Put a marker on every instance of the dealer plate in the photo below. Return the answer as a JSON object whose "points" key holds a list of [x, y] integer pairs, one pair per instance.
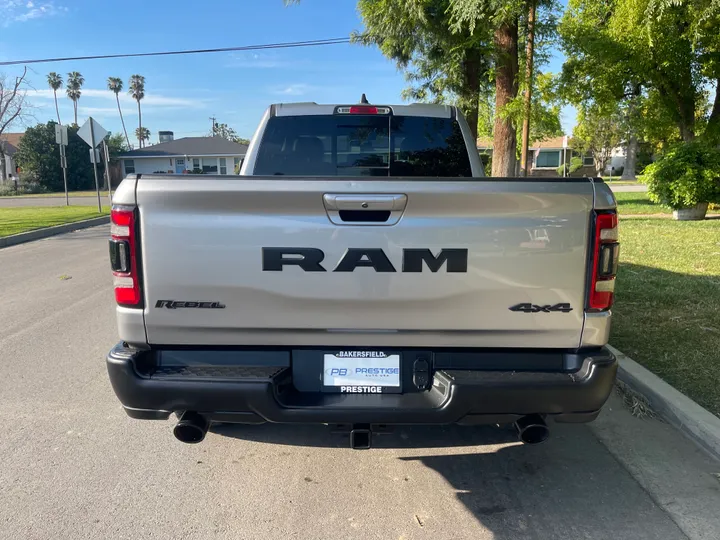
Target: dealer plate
{"points": [[361, 372]]}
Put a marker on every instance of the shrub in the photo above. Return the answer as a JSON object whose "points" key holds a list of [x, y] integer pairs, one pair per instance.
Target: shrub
{"points": [[686, 175], [575, 164]]}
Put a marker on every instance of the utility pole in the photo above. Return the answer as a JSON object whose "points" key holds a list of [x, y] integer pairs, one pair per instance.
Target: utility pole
{"points": [[214, 131], [529, 53]]}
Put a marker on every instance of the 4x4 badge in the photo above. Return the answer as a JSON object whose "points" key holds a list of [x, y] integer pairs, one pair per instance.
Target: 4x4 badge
{"points": [[534, 308]]}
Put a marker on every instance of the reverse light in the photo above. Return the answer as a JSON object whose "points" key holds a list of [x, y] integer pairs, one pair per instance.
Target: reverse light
{"points": [[606, 251], [123, 256]]}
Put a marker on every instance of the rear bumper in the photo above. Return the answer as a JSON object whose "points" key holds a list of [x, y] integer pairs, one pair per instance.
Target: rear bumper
{"points": [[258, 391]]}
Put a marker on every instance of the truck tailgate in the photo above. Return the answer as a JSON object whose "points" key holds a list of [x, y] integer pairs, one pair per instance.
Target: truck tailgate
{"points": [[205, 281]]}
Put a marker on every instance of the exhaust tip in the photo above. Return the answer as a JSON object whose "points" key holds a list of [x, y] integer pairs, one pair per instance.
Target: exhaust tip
{"points": [[191, 428], [532, 429]]}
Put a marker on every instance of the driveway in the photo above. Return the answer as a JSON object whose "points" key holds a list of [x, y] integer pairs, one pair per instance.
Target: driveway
{"points": [[75, 466], [10, 202]]}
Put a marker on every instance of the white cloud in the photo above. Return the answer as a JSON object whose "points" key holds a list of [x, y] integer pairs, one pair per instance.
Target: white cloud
{"points": [[155, 100], [97, 111], [298, 89], [22, 10]]}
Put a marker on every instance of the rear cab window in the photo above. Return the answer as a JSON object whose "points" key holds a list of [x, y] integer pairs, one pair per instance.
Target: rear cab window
{"points": [[362, 145]]}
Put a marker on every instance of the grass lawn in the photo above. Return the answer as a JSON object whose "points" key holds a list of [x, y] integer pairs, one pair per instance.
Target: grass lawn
{"points": [[638, 203], [59, 194], [27, 218], [667, 311]]}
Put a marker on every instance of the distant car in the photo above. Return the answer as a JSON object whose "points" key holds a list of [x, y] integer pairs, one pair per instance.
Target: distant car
{"points": [[360, 271]]}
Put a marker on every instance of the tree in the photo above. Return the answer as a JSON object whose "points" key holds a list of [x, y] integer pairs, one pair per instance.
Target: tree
{"points": [[440, 63], [511, 22], [115, 85], [137, 91], [620, 50], [142, 134], [226, 132], [597, 132], [13, 108], [116, 145], [39, 156], [74, 89], [55, 82]]}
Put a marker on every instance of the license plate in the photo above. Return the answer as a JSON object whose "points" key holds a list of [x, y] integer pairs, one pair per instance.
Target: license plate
{"points": [[361, 371]]}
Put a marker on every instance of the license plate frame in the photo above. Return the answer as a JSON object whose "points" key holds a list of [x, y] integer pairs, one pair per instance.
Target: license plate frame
{"points": [[362, 372]]}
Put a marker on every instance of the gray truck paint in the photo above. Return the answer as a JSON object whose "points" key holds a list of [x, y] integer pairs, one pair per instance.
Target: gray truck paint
{"points": [[202, 239]]}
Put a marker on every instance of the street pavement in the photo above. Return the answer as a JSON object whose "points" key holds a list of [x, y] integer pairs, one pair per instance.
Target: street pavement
{"points": [[14, 202], [640, 188], [75, 467]]}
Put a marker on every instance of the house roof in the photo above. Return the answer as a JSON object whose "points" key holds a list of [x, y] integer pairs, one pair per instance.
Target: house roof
{"points": [[12, 141], [552, 142], [190, 146]]}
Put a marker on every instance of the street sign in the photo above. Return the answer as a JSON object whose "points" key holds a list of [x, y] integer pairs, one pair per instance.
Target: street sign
{"points": [[95, 155], [92, 133], [61, 136]]}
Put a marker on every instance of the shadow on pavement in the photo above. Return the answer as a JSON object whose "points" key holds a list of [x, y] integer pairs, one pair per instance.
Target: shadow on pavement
{"points": [[400, 436], [569, 487]]}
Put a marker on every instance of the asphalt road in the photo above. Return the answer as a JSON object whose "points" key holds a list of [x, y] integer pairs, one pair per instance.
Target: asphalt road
{"points": [[641, 188], [74, 466]]}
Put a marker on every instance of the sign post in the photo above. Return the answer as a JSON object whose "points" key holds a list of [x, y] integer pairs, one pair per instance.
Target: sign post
{"points": [[93, 133], [61, 138], [106, 156]]}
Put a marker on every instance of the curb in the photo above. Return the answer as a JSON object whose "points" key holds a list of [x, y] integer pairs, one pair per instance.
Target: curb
{"points": [[37, 234], [676, 408]]}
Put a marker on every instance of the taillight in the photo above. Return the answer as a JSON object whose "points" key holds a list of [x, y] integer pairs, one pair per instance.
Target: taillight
{"points": [[362, 109], [606, 250], [123, 256]]}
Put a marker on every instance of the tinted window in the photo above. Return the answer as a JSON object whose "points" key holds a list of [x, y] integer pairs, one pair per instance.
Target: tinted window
{"points": [[362, 145]]}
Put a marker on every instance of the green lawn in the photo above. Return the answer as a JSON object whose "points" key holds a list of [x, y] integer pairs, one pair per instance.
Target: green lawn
{"points": [[667, 311], [59, 194], [638, 203], [27, 218]]}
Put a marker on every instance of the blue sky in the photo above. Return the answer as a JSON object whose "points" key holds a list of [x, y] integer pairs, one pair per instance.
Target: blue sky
{"points": [[183, 92]]}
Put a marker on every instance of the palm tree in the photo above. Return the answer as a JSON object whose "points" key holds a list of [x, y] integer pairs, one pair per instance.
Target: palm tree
{"points": [[55, 82], [142, 134], [73, 88], [115, 84], [137, 91]]}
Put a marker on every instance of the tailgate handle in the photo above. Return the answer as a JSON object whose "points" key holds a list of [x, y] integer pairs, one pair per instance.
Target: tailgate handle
{"points": [[370, 209]]}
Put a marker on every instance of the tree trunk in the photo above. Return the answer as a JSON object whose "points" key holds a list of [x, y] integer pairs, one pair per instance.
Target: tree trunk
{"points": [[140, 139], [687, 132], [713, 127], [630, 159], [529, 53], [471, 94], [122, 120], [2, 162], [56, 107], [506, 69], [75, 109]]}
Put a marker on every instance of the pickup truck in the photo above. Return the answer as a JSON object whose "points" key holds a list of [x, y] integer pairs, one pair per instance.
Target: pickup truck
{"points": [[361, 271]]}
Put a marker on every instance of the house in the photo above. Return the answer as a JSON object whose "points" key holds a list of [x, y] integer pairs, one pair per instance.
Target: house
{"points": [[211, 155], [9, 143], [545, 156]]}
